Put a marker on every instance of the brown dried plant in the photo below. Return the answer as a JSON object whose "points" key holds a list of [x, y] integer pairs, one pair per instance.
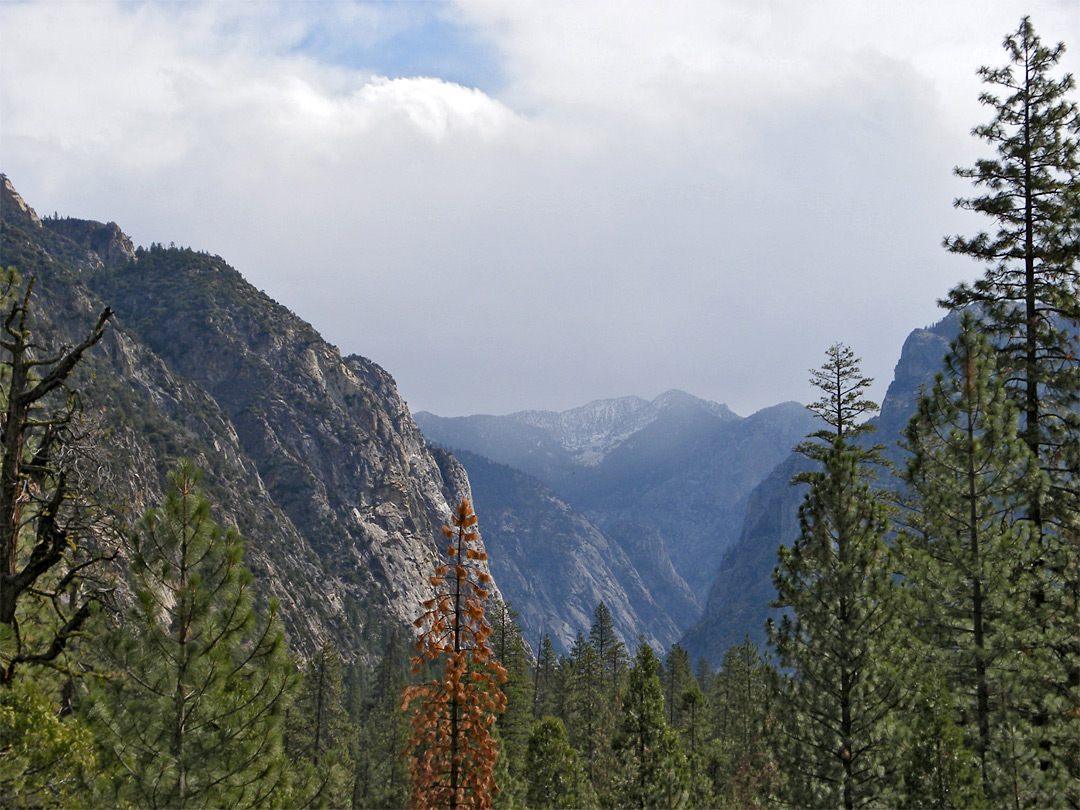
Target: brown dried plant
{"points": [[452, 753]]}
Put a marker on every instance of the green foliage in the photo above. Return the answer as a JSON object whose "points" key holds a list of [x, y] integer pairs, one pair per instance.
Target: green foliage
{"points": [[836, 634], [1031, 289], [937, 769], [676, 677], [45, 760], [589, 720], [740, 762], [546, 689], [1029, 302], [381, 775], [653, 772], [968, 559], [318, 734], [192, 713], [514, 726], [610, 650], [555, 778]]}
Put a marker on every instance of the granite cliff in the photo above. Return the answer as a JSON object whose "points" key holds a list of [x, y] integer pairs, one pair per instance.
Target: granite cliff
{"points": [[314, 456]]}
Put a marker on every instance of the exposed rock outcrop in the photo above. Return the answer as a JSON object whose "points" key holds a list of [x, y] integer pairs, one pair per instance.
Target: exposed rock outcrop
{"points": [[314, 456]]}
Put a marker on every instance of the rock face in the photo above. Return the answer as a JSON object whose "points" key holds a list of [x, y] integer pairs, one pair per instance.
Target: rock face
{"points": [[554, 566], [738, 599], [314, 456]]}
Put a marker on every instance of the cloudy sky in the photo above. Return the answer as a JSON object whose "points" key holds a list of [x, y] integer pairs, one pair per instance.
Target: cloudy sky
{"points": [[519, 204]]}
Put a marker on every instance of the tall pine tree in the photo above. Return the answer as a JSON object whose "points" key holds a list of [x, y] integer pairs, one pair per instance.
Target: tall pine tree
{"points": [[514, 725], [968, 561], [1030, 303], [835, 588], [1031, 290], [652, 768], [318, 733], [742, 766], [452, 751], [194, 715], [381, 775]]}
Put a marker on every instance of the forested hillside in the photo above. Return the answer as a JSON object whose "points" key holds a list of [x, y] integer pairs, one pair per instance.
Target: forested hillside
{"points": [[313, 456]]}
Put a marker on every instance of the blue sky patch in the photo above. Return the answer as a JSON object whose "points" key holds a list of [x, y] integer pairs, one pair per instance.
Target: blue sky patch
{"points": [[405, 39]]}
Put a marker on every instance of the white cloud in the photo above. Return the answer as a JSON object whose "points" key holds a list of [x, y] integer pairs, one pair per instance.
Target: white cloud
{"points": [[696, 195]]}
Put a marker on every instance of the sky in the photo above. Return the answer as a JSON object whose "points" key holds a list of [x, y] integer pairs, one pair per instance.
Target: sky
{"points": [[532, 204]]}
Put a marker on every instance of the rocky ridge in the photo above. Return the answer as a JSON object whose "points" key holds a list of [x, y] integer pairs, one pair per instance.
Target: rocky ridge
{"points": [[314, 456]]}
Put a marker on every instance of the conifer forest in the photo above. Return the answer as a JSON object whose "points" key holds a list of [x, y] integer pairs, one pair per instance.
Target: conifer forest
{"points": [[178, 632]]}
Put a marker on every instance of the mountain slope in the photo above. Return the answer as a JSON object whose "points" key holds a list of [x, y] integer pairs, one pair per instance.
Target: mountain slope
{"points": [[554, 566], [314, 456]]}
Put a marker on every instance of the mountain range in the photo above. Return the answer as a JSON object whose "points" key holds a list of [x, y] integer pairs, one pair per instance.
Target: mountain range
{"points": [[661, 484], [669, 511]]}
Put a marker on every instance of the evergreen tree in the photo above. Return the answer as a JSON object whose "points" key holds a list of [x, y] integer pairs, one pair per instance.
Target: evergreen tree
{"points": [[1030, 303], [652, 768], [194, 715], [318, 732], [49, 532], [968, 560], [693, 710], [741, 765], [381, 776], [937, 769], [835, 635], [676, 677], [589, 722], [555, 778], [1032, 287], [545, 683], [514, 725], [611, 651], [452, 751]]}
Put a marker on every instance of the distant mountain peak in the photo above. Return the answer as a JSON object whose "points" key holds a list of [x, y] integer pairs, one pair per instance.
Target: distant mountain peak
{"points": [[675, 398], [591, 431]]}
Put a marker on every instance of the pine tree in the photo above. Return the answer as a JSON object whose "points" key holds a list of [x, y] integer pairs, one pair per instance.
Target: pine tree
{"points": [[514, 725], [194, 715], [693, 708], [741, 765], [937, 769], [381, 775], [318, 732], [1032, 287], [676, 677], [1029, 300], [652, 768], [545, 683], [49, 532], [452, 751], [968, 560], [611, 650], [555, 778], [835, 587], [589, 721]]}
